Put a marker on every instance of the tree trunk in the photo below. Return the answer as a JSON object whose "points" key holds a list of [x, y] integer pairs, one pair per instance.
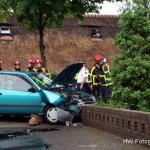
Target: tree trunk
{"points": [[42, 47]]}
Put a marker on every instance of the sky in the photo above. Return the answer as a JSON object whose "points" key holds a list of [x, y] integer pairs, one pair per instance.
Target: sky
{"points": [[111, 8]]}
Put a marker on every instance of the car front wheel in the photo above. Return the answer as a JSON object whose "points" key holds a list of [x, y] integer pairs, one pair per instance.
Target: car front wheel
{"points": [[50, 115]]}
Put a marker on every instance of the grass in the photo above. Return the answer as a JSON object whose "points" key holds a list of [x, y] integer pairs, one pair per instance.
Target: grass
{"points": [[61, 50], [110, 104]]}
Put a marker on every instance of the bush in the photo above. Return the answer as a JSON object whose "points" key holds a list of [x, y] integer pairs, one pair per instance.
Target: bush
{"points": [[131, 69]]}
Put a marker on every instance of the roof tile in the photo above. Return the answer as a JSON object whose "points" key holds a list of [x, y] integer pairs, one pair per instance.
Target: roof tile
{"points": [[101, 16]]}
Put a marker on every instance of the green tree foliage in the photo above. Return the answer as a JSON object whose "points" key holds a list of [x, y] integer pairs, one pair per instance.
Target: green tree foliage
{"points": [[4, 11], [41, 14], [131, 69]]}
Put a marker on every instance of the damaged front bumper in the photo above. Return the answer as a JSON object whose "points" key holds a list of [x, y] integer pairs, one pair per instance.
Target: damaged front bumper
{"points": [[63, 115]]}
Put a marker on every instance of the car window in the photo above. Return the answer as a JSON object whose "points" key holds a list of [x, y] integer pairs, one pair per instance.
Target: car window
{"points": [[41, 80], [1, 81], [13, 82]]}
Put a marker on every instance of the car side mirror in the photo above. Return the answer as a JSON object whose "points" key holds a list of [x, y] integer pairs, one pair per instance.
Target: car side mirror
{"points": [[32, 89]]}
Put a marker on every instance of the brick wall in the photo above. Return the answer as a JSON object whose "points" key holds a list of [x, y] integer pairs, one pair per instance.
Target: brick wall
{"points": [[120, 122], [106, 24]]}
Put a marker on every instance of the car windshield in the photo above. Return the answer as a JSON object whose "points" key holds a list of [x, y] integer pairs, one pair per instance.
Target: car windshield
{"points": [[41, 80]]}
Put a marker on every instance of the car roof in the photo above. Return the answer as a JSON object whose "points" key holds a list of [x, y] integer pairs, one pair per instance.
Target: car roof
{"points": [[16, 72]]}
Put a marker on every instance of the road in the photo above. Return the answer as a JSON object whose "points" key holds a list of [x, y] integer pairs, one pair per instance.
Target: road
{"points": [[16, 134]]}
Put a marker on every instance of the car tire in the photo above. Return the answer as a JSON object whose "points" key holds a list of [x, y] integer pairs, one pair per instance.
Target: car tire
{"points": [[50, 114]]}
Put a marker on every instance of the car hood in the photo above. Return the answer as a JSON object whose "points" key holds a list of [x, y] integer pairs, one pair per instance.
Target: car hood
{"points": [[66, 76]]}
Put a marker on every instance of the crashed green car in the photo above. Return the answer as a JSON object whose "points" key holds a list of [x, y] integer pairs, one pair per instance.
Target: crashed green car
{"points": [[26, 93]]}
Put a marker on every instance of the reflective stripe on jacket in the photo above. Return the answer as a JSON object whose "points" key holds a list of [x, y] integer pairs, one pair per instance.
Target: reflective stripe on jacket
{"points": [[31, 69], [93, 77], [104, 75]]}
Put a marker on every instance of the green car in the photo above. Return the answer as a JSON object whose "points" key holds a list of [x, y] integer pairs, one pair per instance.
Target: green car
{"points": [[26, 93]]}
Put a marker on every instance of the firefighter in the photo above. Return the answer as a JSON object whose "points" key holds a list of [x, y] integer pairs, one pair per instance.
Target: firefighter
{"points": [[1, 65], [103, 76], [42, 69], [31, 64], [17, 66], [93, 81]]}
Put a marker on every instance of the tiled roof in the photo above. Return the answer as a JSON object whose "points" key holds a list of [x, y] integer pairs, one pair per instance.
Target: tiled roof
{"points": [[101, 16]]}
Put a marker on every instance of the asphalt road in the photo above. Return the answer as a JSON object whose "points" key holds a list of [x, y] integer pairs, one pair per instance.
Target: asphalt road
{"points": [[16, 134]]}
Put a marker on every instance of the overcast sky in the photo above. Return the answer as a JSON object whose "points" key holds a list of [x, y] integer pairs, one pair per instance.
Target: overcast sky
{"points": [[111, 8]]}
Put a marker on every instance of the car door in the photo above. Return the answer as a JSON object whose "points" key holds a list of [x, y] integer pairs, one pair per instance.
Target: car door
{"points": [[15, 97]]}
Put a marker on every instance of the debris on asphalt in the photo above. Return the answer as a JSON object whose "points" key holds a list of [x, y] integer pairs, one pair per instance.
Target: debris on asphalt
{"points": [[41, 130], [68, 123], [78, 125], [35, 120], [96, 138]]}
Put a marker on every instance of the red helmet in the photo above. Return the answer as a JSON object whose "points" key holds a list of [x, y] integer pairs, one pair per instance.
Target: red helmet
{"points": [[39, 60], [98, 57], [1, 62], [31, 61], [17, 63]]}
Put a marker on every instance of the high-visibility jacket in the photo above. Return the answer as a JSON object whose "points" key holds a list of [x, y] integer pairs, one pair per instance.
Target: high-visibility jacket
{"points": [[44, 71], [103, 75], [32, 69], [93, 76], [39, 82], [76, 76]]}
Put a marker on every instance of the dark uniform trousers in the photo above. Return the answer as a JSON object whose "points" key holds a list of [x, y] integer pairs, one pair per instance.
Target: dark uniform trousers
{"points": [[105, 92], [103, 75]]}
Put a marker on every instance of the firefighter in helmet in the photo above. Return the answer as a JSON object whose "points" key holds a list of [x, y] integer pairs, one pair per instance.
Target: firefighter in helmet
{"points": [[93, 81], [1, 65], [17, 66], [41, 69], [31, 64], [103, 76]]}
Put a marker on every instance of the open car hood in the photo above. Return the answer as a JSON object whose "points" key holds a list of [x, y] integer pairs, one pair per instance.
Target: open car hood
{"points": [[66, 76]]}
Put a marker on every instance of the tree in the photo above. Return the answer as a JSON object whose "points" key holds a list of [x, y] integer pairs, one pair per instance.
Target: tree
{"points": [[4, 11], [41, 14], [131, 69]]}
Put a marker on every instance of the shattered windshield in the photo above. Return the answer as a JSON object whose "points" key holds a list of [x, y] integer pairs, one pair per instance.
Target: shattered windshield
{"points": [[41, 80]]}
